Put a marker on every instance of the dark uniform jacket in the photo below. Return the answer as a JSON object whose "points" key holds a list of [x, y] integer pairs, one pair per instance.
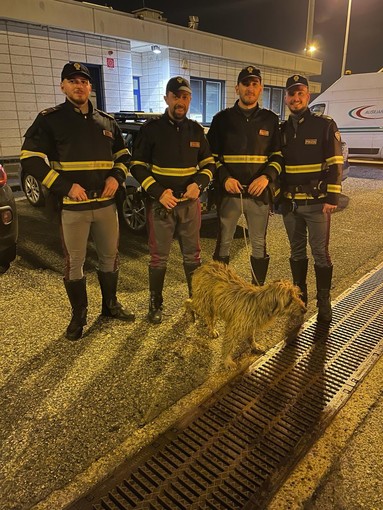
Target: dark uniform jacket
{"points": [[63, 147], [313, 159], [170, 155], [246, 147]]}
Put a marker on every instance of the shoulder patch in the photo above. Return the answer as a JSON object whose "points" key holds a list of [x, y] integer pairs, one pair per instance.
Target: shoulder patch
{"points": [[104, 114], [47, 111], [323, 116], [338, 136]]}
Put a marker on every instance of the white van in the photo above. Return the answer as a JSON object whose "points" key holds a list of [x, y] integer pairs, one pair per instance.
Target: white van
{"points": [[355, 102]]}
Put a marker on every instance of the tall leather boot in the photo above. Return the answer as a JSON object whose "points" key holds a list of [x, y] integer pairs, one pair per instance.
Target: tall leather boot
{"points": [[299, 273], [110, 305], [323, 280], [156, 284], [260, 267], [224, 259], [76, 290], [189, 270]]}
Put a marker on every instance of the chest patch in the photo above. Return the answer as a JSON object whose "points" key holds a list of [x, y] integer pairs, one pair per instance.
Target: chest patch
{"points": [[264, 132], [311, 141], [195, 144], [107, 133]]}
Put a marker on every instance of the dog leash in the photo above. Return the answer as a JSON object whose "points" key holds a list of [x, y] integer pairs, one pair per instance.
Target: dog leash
{"points": [[245, 238]]}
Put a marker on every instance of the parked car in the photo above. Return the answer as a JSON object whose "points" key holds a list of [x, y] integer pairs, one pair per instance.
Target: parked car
{"points": [[8, 223]]}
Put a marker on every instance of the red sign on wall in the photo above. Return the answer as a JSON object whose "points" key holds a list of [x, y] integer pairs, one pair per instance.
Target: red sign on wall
{"points": [[110, 63]]}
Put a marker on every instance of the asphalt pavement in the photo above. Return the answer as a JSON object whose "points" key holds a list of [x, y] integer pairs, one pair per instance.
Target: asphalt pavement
{"points": [[73, 411]]}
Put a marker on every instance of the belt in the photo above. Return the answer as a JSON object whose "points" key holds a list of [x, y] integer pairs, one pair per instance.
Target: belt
{"points": [[93, 193], [313, 188]]}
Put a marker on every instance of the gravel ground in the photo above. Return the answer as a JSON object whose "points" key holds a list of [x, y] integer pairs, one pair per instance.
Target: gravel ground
{"points": [[71, 411]]}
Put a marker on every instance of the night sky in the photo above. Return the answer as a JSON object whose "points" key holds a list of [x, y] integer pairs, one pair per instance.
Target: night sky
{"points": [[281, 24]]}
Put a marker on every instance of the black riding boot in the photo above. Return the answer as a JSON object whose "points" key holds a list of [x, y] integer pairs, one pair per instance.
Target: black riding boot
{"points": [[156, 284], [110, 305], [225, 259], [189, 270], [299, 273], [76, 290], [323, 280], [260, 267]]}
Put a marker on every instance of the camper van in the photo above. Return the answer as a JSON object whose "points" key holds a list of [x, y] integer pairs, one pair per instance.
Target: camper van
{"points": [[355, 102]]}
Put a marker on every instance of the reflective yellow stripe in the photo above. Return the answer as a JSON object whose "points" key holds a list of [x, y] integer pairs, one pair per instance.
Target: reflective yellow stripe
{"points": [[215, 155], [335, 160], [82, 165], [120, 153], [206, 161], [277, 166], [30, 154], [303, 169], [218, 164], [174, 171], [148, 182], [334, 188], [245, 158], [68, 201], [142, 163], [207, 172], [278, 153], [50, 178], [122, 167]]}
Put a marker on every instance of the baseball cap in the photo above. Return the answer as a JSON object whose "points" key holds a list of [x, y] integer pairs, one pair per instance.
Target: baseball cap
{"points": [[296, 79], [72, 68], [178, 83], [249, 72]]}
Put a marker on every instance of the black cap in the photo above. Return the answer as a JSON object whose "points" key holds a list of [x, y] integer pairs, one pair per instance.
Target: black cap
{"points": [[178, 83], [296, 79], [72, 68], [249, 72]]}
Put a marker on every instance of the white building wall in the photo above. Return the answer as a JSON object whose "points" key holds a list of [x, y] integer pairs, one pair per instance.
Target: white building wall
{"points": [[189, 64], [38, 37], [31, 60], [155, 74]]}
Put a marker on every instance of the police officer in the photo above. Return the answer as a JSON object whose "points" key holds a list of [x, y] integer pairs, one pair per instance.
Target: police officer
{"points": [[78, 153], [172, 161], [311, 183], [245, 141]]}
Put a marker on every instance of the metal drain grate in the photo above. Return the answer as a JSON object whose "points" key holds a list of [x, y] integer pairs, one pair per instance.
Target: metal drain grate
{"points": [[238, 451]]}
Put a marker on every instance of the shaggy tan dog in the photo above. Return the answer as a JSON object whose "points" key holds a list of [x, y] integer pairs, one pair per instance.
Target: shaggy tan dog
{"points": [[219, 293]]}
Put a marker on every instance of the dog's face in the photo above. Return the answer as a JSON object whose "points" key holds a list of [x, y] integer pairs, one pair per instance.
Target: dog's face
{"points": [[287, 299]]}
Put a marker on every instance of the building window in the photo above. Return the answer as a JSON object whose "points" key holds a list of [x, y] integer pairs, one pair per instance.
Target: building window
{"points": [[207, 98], [273, 100], [136, 93]]}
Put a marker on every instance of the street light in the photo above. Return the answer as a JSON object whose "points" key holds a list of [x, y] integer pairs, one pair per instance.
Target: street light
{"points": [[346, 38], [311, 50]]}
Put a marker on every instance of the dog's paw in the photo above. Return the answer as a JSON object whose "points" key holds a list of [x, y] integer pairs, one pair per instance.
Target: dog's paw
{"points": [[229, 363]]}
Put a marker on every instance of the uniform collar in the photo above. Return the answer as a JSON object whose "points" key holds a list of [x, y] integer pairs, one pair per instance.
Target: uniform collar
{"points": [[73, 107], [174, 122], [301, 117], [239, 109]]}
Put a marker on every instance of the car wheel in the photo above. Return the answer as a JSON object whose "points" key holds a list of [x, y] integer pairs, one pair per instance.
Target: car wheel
{"points": [[133, 211], [33, 191]]}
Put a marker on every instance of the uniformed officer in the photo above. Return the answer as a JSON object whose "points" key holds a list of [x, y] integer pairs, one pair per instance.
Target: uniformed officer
{"points": [[173, 163], [311, 183], [78, 153], [245, 142]]}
